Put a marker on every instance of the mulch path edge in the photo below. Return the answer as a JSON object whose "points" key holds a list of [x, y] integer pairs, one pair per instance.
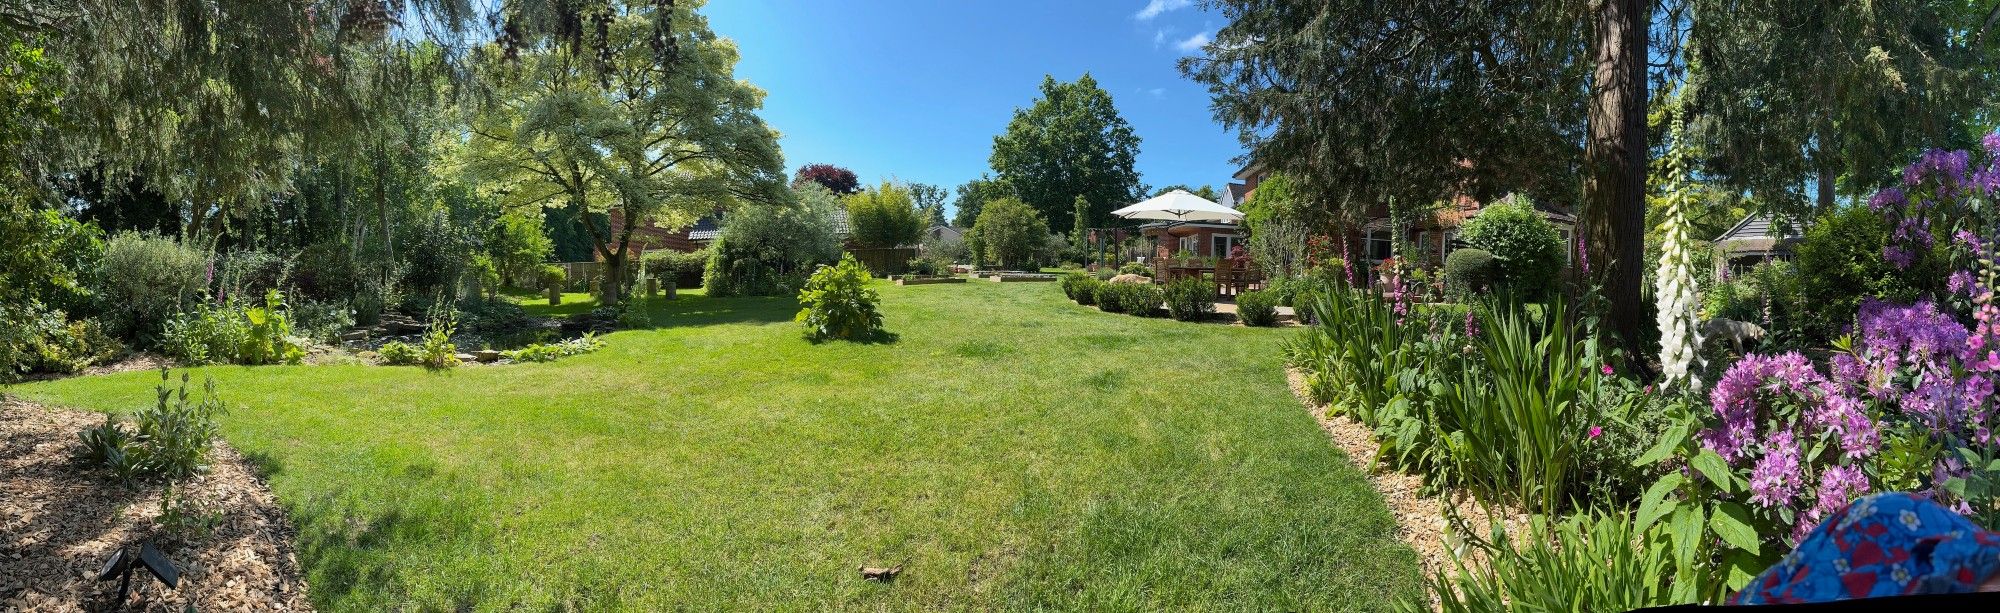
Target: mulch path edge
{"points": [[60, 520]]}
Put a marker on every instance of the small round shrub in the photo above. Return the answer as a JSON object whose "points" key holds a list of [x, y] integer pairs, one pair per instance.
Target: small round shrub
{"points": [[1135, 268], [551, 275], [399, 353], [1132, 298], [1087, 290], [682, 268], [1840, 262], [1190, 299], [145, 280], [767, 250], [1071, 283], [1527, 250], [1109, 297], [1468, 272], [837, 303], [1257, 308]]}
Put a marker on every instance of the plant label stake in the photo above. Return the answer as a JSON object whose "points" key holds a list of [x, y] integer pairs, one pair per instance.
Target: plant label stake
{"points": [[121, 567]]}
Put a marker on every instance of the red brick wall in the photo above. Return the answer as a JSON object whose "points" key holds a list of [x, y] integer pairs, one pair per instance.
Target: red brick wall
{"points": [[647, 237]]}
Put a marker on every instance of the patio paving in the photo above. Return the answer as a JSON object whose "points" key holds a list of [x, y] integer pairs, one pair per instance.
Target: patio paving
{"points": [[1287, 316]]}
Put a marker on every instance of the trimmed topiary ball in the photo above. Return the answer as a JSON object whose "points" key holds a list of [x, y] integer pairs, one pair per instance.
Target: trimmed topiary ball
{"points": [[1257, 308], [1467, 272]]}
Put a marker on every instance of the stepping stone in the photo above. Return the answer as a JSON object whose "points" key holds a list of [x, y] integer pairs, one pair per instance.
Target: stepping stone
{"points": [[486, 355]]}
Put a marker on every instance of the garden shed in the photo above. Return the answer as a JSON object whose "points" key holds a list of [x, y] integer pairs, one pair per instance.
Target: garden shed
{"points": [[1754, 240]]}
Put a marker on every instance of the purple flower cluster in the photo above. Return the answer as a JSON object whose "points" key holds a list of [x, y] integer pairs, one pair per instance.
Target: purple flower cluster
{"points": [[1838, 486], [1887, 198], [1739, 399], [1938, 192], [1396, 289], [1770, 408], [1775, 479], [1911, 357], [1938, 164]]}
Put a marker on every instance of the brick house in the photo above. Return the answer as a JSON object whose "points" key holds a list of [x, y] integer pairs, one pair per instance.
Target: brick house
{"points": [[1435, 237], [649, 237]]}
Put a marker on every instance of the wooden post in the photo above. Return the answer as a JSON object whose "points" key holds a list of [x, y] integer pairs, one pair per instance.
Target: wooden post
{"points": [[652, 288], [555, 295]]}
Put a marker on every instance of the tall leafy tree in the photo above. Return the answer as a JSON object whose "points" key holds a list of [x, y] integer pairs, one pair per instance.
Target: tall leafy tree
{"points": [[1205, 191], [973, 196], [840, 181], [210, 105], [1008, 233], [1612, 218], [885, 216], [1070, 142], [516, 243], [930, 202], [1365, 102], [642, 116], [1797, 100]]}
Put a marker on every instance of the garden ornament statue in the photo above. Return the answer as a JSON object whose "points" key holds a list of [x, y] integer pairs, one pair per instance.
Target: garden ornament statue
{"points": [[1736, 333], [122, 565]]}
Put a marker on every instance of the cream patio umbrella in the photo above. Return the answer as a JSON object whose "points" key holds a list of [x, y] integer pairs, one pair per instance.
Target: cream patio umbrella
{"points": [[1181, 206]]}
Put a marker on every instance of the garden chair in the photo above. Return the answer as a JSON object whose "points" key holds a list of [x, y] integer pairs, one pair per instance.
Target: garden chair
{"points": [[1225, 277]]}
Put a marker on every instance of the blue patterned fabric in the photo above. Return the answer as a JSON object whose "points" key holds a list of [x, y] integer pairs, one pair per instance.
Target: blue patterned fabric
{"points": [[1888, 544]]}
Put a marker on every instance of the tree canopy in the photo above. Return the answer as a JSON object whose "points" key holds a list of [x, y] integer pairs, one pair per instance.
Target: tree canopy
{"points": [[1070, 142], [1008, 233], [884, 216], [930, 202], [1205, 191], [1797, 100], [1365, 103], [840, 181], [659, 134], [973, 196]]}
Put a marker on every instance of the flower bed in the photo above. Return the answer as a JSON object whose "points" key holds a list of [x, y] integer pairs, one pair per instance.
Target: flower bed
{"points": [[919, 280], [1701, 488]]}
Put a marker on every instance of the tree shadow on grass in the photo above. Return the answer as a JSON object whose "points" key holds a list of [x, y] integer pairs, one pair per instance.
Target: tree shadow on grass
{"points": [[878, 337], [705, 311], [354, 551]]}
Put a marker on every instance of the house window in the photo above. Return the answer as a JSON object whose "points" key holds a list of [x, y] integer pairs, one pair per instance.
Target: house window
{"points": [[1188, 244], [1424, 245], [1569, 248], [1450, 237], [1379, 245], [1223, 243]]}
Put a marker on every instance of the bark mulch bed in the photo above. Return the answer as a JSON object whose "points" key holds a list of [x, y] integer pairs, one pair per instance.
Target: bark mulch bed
{"points": [[59, 522], [1420, 518]]}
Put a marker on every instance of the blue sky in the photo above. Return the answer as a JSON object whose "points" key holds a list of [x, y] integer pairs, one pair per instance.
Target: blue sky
{"points": [[916, 90]]}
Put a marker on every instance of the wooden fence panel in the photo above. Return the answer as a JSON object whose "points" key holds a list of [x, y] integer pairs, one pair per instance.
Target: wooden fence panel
{"points": [[885, 261]]}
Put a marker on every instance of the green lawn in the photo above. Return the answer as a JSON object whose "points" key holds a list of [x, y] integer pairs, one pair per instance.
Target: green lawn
{"points": [[1011, 450]]}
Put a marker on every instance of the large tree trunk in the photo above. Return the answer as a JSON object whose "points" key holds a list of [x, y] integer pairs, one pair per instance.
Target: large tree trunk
{"points": [[1614, 191], [611, 291], [382, 202]]}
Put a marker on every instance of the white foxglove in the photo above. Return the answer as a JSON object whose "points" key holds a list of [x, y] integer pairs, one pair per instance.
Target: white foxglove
{"points": [[1674, 289]]}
